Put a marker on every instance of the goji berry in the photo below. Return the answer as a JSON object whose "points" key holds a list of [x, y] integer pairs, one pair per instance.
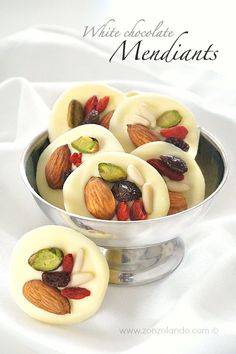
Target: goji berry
{"points": [[122, 211], [75, 293], [67, 263], [102, 104], [90, 104], [179, 132]]}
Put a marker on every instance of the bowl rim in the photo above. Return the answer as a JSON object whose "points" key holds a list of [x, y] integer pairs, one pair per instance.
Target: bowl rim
{"points": [[210, 137]]}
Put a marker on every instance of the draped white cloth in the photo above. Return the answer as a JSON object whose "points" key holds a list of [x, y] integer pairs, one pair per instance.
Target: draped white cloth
{"points": [[192, 310]]}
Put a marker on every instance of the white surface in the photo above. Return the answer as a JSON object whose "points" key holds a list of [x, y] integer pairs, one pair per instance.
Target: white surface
{"points": [[200, 294]]}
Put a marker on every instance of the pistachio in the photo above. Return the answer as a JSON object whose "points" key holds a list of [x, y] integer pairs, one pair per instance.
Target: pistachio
{"points": [[75, 114], [86, 144], [46, 259], [111, 173], [169, 119]]}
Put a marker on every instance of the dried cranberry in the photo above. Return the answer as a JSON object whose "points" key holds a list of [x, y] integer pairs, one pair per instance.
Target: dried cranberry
{"points": [[137, 211], [164, 170], [92, 117], [179, 143], [56, 279], [174, 163], [125, 191]]}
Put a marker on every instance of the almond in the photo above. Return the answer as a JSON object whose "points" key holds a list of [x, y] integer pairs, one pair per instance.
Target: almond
{"points": [[177, 203], [105, 120], [57, 164], [45, 297], [139, 134], [99, 199]]}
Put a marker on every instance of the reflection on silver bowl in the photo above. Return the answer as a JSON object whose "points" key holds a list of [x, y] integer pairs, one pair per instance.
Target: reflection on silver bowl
{"points": [[137, 251]]}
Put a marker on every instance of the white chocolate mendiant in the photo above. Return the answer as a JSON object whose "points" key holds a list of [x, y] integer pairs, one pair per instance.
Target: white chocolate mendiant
{"points": [[157, 105], [58, 118], [69, 241], [193, 178], [107, 142], [75, 202]]}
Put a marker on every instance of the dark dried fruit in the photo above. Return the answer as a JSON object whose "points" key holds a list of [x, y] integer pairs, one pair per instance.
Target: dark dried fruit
{"points": [[164, 170], [181, 144], [137, 211], [66, 174], [56, 279], [125, 191], [92, 117], [176, 164], [75, 293]]}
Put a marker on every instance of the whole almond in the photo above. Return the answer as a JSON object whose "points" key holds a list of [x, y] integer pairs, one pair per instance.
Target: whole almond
{"points": [[177, 203], [139, 134], [99, 199], [57, 164], [105, 120], [46, 297]]}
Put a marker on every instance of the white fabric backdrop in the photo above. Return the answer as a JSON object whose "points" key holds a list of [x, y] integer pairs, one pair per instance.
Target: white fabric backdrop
{"points": [[201, 293]]}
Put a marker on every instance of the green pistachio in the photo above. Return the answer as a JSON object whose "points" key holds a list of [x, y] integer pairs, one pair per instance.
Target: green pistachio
{"points": [[169, 119], [86, 144], [75, 114], [46, 259], [111, 173]]}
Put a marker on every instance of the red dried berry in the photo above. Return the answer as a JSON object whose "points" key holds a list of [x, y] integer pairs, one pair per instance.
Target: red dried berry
{"points": [[164, 170], [90, 104], [75, 159], [75, 293], [102, 104], [137, 211], [122, 211], [179, 132], [67, 263]]}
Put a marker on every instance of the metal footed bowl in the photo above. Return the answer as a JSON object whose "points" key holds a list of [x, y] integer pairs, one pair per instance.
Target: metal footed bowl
{"points": [[137, 252]]}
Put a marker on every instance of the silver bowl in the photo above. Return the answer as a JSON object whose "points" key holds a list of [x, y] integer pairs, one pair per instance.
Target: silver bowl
{"points": [[137, 252]]}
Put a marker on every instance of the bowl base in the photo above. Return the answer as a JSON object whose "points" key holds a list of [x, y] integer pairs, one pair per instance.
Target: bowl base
{"points": [[137, 266]]}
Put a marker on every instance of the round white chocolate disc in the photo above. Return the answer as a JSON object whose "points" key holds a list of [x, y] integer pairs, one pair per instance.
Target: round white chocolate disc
{"points": [[91, 270], [193, 178], [150, 107], [107, 142], [58, 118], [75, 202]]}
